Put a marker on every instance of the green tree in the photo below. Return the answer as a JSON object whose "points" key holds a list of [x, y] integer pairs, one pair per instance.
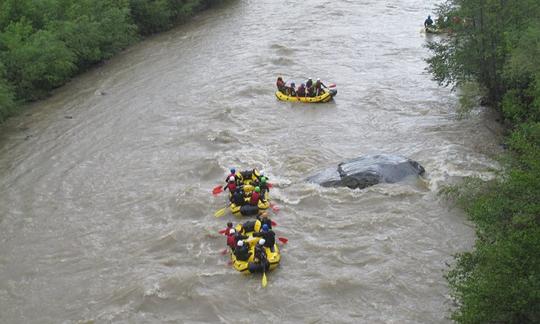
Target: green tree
{"points": [[7, 103], [35, 62], [496, 43], [151, 16]]}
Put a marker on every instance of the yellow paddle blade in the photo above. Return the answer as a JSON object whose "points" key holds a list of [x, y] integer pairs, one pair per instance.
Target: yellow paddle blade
{"points": [[220, 212], [264, 282]]}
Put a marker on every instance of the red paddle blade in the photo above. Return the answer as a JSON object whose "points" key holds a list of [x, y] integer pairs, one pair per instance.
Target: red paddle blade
{"points": [[333, 85], [224, 252], [217, 190], [274, 208], [273, 223], [283, 240], [222, 231], [269, 185]]}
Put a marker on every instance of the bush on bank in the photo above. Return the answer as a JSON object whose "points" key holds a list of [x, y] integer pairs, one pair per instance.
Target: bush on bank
{"points": [[44, 43], [497, 45]]}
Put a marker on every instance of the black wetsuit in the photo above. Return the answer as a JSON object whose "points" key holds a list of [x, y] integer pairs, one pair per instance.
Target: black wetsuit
{"points": [[238, 198], [249, 226], [242, 252], [269, 238]]}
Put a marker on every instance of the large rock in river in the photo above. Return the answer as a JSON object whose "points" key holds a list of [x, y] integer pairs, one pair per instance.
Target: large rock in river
{"points": [[368, 170]]}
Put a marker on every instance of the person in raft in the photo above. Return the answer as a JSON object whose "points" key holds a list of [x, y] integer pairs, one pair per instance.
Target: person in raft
{"points": [[231, 241], [260, 258], [318, 87], [238, 197], [265, 220], [291, 91], [309, 87], [268, 235], [301, 92], [232, 174], [428, 22], [255, 196], [231, 185], [229, 228], [280, 84], [242, 251]]}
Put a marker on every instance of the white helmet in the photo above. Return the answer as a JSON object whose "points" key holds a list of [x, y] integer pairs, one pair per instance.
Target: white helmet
{"points": [[240, 243], [231, 179], [318, 79], [232, 231], [262, 241], [261, 173]]}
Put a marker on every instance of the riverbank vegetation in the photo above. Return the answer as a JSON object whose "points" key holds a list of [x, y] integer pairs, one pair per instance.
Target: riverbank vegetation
{"points": [[496, 44], [44, 43]]}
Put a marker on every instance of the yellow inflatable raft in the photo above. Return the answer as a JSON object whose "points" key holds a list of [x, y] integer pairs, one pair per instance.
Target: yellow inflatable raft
{"points": [[325, 97], [249, 266], [247, 178], [262, 205]]}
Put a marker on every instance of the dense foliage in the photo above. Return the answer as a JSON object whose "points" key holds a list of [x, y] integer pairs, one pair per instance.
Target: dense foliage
{"points": [[496, 43], [45, 42]]}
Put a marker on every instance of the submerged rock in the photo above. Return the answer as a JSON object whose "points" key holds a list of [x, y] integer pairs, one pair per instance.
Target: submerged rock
{"points": [[368, 170]]}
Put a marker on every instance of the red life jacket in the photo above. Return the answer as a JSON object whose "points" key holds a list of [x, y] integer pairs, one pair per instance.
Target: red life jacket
{"points": [[231, 241], [232, 187], [254, 198]]}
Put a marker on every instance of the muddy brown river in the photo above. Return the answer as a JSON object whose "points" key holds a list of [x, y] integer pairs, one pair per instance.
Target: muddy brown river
{"points": [[106, 211]]}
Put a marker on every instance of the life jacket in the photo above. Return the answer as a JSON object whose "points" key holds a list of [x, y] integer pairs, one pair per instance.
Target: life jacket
{"points": [[231, 241], [292, 91], [280, 84], [242, 253], [269, 238], [260, 252], [231, 186], [238, 198], [255, 196]]}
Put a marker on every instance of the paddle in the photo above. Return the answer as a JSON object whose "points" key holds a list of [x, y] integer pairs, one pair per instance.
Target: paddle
{"points": [[264, 281], [224, 252], [217, 190], [283, 240], [273, 223], [275, 208], [220, 212]]}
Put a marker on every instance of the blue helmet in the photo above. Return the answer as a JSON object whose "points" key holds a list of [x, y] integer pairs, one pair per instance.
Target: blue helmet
{"points": [[233, 170], [265, 228]]}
